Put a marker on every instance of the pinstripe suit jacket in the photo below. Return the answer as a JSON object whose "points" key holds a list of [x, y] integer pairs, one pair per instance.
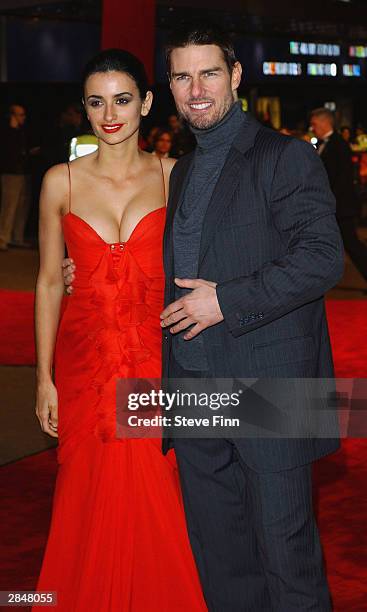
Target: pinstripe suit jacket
{"points": [[271, 242]]}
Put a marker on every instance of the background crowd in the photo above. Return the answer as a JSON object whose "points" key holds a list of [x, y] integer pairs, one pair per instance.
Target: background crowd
{"points": [[24, 159]]}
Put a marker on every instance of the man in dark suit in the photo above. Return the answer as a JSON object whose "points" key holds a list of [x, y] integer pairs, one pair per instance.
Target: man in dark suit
{"points": [[337, 157], [251, 245]]}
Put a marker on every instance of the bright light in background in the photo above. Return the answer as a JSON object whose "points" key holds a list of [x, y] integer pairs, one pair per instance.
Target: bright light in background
{"points": [[351, 70], [311, 48], [82, 145], [359, 51], [322, 69], [330, 106], [244, 104], [282, 68]]}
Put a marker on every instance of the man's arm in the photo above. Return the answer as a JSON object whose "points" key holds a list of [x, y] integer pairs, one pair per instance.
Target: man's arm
{"points": [[303, 210]]}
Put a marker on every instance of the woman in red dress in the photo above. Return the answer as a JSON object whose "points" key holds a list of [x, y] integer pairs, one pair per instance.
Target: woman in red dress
{"points": [[118, 539]]}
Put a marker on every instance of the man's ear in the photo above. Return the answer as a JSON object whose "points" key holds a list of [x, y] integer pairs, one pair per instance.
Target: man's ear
{"points": [[236, 76]]}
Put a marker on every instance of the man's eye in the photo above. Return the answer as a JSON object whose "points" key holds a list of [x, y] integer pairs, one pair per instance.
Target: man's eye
{"points": [[182, 77], [210, 74]]}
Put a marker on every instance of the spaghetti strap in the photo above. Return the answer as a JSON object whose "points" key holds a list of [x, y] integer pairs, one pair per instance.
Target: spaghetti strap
{"points": [[69, 186], [164, 182]]}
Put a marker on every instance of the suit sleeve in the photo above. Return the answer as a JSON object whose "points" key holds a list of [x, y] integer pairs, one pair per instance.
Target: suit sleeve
{"points": [[303, 211]]}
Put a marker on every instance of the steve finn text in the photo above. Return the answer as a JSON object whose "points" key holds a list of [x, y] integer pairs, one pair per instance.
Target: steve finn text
{"points": [[182, 421]]}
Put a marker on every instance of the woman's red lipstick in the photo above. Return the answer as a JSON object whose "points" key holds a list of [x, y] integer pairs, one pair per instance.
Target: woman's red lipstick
{"points": [[112, 129]]}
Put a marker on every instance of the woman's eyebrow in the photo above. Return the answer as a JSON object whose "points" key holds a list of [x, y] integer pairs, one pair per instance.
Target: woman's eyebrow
{"points": [[123, 93]]}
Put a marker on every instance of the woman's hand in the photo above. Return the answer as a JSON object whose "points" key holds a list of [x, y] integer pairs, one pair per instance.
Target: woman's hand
{"points": [[47, 407]]}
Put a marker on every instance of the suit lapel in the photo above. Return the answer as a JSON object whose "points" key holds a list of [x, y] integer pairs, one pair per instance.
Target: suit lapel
{"points": [[221, 198], [227, 182], [176, 185]]}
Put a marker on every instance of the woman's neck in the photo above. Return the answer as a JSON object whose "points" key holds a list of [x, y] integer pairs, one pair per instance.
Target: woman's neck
{"points": [[118, 160]]}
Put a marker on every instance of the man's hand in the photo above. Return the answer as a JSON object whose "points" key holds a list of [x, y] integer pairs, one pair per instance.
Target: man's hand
{"points": [[68, 267], [199, 308]]}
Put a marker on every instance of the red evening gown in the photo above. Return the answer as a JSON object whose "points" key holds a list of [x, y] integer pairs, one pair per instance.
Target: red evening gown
{"points": [[118, 539]]}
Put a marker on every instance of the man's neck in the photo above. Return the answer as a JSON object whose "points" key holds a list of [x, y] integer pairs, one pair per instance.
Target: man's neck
{"points": [[327, 134], [222, 132]]}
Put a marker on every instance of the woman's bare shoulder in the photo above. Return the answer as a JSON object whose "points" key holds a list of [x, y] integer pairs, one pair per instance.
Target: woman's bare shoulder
{"points": [[56, 175], [55, 191], [59, 177], [55, 183]]}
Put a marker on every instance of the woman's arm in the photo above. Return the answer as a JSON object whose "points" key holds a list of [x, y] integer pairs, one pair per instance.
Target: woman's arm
{"points": [[49, 291]]}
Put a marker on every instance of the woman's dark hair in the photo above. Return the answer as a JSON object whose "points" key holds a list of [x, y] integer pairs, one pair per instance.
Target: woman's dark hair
{"points": [[118, 60], [201, 33]]}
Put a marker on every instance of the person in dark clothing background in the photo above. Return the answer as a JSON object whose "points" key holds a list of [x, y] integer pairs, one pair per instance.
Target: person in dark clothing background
{"points": [[56, 147], [15, 179], [337, 157], [182, 139]]}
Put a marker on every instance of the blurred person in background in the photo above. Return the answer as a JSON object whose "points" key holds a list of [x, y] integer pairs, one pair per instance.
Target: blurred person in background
{"points": [[360, 141], [306, 137], [182, 139], [346, 134], [162, 143], [149, 141], [15, 180], [56, 146], [337, 157], [174, 124]]}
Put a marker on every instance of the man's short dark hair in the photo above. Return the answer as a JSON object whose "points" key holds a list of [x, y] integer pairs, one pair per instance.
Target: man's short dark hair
{"points": [[323, 112], [201, 33]]}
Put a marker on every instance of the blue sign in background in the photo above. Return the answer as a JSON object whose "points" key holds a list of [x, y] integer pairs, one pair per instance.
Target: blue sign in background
{"points": [[47, 51]]}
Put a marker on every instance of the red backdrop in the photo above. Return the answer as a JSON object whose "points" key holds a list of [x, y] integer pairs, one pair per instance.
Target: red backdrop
{"points": [[130, 25]]}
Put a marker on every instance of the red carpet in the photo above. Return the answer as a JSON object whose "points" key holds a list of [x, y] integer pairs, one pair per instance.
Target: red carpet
{"points": [[17, 327], [341, 501], [340, 480], [341, 506], [26, 489], [347, 322]]}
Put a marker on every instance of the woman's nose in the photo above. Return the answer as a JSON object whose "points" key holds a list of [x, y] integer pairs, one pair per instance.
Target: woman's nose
{"points": [[110, 112]]}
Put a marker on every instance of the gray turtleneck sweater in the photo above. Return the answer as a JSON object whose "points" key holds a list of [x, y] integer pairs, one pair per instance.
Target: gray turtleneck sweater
{"points": [[210, 154]]}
